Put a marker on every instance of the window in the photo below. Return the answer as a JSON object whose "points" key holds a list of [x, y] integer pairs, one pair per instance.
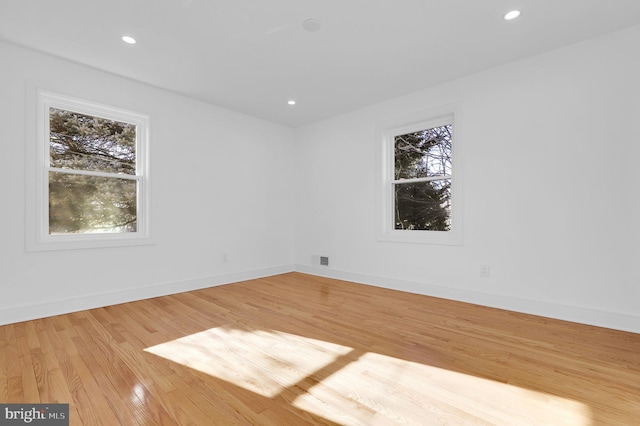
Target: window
{"points": [[419, 195], [91, 175]]}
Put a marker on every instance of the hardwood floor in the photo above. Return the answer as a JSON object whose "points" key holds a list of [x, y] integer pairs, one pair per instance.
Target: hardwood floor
{"points": [[295, 349]]}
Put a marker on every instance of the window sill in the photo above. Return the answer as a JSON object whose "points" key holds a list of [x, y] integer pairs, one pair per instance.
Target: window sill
{"points": [[76, 242], [449, 238]]}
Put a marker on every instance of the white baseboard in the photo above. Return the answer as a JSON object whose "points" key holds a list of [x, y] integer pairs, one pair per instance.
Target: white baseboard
{"points": [[13, 314], [583, 315], [614, 320]]}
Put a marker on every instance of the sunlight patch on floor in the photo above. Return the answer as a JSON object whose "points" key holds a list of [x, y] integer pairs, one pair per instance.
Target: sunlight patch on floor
{"points": [[261, 361], [368, 389], [385, 390]]}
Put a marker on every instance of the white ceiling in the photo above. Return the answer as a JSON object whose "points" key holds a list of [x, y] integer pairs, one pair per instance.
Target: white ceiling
{"points": [[254, 55]]}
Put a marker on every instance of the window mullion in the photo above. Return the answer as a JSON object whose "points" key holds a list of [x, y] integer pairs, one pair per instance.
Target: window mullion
{"points": [[93, 173], [424, 179]]}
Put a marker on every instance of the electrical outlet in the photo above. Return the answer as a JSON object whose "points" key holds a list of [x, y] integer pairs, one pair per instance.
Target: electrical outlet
{"points": [[484, 271], [225, 257]]}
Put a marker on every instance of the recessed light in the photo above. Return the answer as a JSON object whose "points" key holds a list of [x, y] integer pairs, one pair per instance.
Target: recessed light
{"points": [[291, 102], [311, 24], [512, 15], [128, 39]]}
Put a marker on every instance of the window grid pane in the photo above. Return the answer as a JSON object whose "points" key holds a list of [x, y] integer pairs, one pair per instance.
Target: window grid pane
{"points": [[80, 204], [423, 206], [83, 142], [425, 153]]}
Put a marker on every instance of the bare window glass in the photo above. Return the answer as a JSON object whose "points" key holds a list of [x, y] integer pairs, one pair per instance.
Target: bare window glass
{"points": [[92, 175], [91, 204], [422, 179], [82, 142]]}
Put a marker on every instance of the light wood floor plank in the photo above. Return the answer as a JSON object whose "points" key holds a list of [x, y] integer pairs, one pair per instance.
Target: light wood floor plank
{"points": [[296, 349], [4, 377]]}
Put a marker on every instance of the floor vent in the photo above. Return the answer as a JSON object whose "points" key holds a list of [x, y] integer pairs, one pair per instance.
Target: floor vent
{"points": [[324, 260]]}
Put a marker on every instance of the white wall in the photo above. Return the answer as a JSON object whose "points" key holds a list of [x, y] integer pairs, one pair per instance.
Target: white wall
{"points": [[551, 189], [550, 202], [221, 183]]}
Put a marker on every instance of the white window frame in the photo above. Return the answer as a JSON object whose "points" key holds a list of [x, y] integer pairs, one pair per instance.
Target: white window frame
{"points": [[38, 167], [386, 133]]}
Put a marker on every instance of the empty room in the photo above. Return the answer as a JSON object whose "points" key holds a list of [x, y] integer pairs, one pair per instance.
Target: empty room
{"points": [[292, 212]]}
